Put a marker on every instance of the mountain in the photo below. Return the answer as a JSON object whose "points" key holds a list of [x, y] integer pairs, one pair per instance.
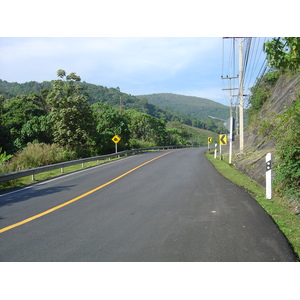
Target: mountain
{"points": [[198, 107], [189, 110], [97, 93]]}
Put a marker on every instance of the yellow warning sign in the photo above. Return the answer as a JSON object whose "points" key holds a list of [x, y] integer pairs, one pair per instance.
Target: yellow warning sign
{"points": [[223, 139], [116, 139]]}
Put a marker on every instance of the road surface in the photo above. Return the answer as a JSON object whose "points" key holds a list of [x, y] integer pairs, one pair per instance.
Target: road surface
{"points": [[159, 206]]}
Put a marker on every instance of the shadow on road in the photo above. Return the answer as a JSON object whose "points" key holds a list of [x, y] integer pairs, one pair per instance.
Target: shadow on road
{"points": [[19, 196]]}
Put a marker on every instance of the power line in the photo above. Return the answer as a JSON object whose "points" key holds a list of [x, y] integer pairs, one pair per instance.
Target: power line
{"points": [[249, 62]]}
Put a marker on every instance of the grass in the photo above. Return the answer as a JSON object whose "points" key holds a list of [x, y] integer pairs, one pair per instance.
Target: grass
{"points": [[278, 209]]}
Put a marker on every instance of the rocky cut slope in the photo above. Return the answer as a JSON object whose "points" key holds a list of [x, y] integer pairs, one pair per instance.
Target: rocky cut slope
{"points": [[259, 140]]}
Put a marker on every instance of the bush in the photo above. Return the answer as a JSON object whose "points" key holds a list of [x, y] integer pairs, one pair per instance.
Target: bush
{"points": [[287, 180], [37, 155], [137, 144], [261, 92]]}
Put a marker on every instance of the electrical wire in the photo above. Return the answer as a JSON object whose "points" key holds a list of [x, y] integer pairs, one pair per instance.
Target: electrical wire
{"points": [[253, 67], [252, 60], [229, 67]]}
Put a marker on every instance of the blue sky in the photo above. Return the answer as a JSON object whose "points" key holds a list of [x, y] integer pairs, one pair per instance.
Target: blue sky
{"points": [[168, 46], [189, 65]]}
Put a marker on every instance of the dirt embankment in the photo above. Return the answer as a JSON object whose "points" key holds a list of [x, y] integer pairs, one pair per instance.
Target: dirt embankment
{"points": [[257, 141]]}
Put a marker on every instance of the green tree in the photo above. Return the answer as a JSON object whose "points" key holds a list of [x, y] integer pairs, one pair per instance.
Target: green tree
{"points": [[72, 117], [39, 129], [283, 53], [146, 128], [16, 112], [109, 123], [210, 125]]}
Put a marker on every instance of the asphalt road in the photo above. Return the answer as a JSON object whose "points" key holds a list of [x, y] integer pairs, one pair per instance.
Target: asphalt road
{"points": [[157, 206]]}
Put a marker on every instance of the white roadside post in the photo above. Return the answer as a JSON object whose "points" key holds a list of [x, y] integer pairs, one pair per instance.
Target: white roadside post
{"points": [[216, 145], [268, 176], [230, 139]]}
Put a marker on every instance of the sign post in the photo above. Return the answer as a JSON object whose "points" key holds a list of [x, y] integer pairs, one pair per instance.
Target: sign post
{"points": [[268, 176], [116, 140], [222, 141], [209, 140]]}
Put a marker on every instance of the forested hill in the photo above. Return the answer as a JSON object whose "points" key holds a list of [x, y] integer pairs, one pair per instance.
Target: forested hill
{"points": [[198, 107], [192, 111], [82, 118], [97, 93]]}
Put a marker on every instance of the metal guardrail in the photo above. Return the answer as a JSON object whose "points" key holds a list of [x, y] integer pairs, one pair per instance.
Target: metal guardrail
{"points": [[62, 165]]}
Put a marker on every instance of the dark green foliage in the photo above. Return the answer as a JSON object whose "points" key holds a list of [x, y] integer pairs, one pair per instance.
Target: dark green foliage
{"points": [[13, 89], [15, 113], [283, 53], [167, 106], [38, 129], [285, 129], [145, 127], [284, 56], [261, 92], [177, 134], [288, 152], [71, 114], [108, 124]]}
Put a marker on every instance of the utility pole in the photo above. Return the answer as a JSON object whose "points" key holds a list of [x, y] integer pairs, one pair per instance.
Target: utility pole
{"points": [[230, 118], [241, 121]]}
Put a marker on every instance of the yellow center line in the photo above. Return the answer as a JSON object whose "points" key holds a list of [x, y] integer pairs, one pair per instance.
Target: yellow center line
{"points": [[79, 197]]}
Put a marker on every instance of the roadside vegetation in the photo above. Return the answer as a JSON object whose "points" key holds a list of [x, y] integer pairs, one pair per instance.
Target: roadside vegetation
{"points": [[27, 180], [60, 121], [283, 55], [278, 208]]}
